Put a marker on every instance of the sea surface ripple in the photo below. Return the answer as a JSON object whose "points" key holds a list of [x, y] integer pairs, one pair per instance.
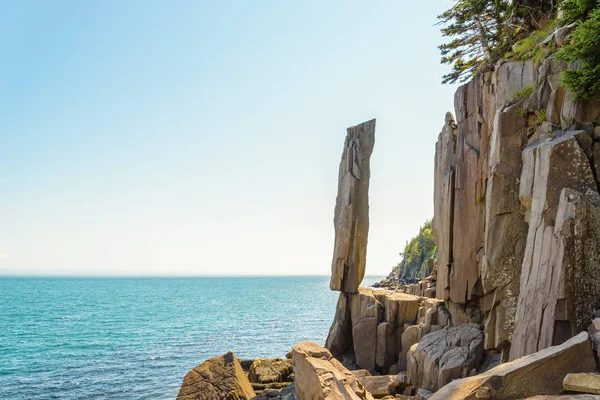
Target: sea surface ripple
{"points": [[135, 338]]}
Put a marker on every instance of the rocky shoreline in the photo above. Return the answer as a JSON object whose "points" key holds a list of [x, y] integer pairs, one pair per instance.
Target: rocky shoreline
{"points": [[510, 310]]}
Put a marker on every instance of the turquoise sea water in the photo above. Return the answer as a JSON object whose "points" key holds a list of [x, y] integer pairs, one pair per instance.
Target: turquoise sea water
{"points": [[135, 338]]}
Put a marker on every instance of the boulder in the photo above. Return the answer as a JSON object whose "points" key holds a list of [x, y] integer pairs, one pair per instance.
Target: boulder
{"points": [[582, 382], [541, 373], [445, 355], [218, 378], [423, 394], [269, 370], [351, 216], [359, 373], [380, 386], [383, 385], [319, 376]]}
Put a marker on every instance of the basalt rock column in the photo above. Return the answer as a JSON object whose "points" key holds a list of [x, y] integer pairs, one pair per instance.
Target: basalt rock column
{"points": [[351, 219]]}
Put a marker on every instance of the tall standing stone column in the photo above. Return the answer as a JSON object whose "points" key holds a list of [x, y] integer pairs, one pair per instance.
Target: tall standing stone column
{"points": [[351, 219]]}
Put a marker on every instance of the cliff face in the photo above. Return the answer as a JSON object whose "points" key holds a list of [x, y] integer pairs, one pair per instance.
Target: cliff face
{"points": [[515, 200]]}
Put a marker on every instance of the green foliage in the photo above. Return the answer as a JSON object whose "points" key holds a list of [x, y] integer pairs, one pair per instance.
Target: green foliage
{"points": [[475, 32], [416, 252], [523, 93], [584, 50], [482, 31], [541, 115], [531, 48], [574, 10]]}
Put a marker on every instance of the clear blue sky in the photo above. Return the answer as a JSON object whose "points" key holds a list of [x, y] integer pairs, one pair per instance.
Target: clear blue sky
{"points": [[197, 137]]}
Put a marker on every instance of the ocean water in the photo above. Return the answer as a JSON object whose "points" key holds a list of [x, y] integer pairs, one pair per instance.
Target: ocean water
{"points": [[135, 338]]}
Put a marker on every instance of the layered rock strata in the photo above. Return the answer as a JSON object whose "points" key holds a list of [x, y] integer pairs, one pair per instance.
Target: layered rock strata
{"points": [[374, 329], [351, 216], [515, 202]]}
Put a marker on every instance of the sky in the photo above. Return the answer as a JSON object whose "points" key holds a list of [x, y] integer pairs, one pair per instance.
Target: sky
{"points": [[192, 138]]}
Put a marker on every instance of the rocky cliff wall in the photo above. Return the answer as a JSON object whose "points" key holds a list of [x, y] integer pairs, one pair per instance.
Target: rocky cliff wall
{"points": [[515, 200]]}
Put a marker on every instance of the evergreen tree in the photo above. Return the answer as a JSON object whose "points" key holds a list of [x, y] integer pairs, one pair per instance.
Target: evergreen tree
{"points": [[474, 27], [482, 31], [584, 51]]}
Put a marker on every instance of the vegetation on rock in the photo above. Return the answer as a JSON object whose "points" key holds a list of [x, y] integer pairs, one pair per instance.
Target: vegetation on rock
{"points": [[533, 47], [524, 93], [574, 10], [484, 31], [583, 50], [418, 256]]}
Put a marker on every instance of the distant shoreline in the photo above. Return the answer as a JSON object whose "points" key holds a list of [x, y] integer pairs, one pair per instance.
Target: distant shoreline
{"points": [[169, 277]]}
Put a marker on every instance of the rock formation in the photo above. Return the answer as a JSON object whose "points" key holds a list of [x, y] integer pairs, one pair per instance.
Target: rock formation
{"points": [[537, 374], [515, 200], [582, 382], [445, 355], [516, 282], [369, 327], [351, 218], [215, 379], [319, 376], [517, 275], [381, 386], [270, 374]]}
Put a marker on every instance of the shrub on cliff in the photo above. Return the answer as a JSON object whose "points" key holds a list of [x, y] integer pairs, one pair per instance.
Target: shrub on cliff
{"points": [[574, 10], [584, 51]]}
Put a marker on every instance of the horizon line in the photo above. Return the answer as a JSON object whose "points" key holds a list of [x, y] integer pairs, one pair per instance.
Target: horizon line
{"points": [[172, 276]]}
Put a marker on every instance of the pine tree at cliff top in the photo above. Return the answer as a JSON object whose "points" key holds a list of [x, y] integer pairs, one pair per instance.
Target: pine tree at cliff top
{"points": [[482, 31], [584, 49]]}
